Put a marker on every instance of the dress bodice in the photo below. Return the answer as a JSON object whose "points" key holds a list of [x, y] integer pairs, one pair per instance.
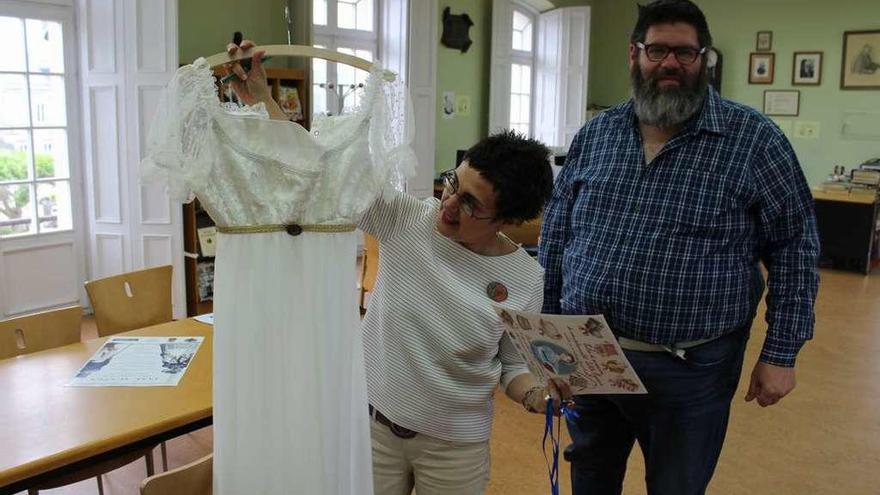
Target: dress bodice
{"points": [[249, 170]]}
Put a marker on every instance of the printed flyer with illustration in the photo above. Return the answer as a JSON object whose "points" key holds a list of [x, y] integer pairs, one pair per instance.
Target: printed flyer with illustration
{"points": [[580, 349]]}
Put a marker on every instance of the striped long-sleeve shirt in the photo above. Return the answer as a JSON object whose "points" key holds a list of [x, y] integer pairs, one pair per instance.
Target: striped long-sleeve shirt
{"points": [[434, 349], [668, 251]]}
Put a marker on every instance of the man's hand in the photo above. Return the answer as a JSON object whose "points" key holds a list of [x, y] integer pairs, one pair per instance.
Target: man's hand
{"points": [[770, 383]]}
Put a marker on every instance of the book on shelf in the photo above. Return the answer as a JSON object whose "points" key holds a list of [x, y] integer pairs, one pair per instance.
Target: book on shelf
{"points": [[866, 176], [205, 277], [288, 100], [208, 241]]}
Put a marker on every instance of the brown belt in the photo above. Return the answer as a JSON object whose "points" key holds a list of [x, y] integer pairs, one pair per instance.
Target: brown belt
{"points": [[399, 431]]}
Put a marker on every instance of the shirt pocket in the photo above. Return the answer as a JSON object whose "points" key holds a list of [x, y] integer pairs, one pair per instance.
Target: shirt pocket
{"points": [[699, 205]]}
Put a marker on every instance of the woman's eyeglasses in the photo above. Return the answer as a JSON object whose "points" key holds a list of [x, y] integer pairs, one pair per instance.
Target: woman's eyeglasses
{"points": [[466, 202]]}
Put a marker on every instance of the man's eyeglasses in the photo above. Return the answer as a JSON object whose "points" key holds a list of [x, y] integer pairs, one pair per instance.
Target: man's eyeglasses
{"points": [[465, 201], [657, 52]]}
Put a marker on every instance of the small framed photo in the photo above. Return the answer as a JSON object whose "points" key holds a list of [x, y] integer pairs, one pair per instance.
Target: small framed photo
{"points": [[861, 60], [764, 41], [806, 69], [761, 68], [783, 103]]}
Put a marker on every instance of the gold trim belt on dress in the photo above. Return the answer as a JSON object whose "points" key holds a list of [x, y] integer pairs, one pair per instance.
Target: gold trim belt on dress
{"points": [[293, 229]]}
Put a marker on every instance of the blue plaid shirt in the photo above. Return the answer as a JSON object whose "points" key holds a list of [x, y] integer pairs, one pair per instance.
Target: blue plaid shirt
{"points": [[669, 252]]}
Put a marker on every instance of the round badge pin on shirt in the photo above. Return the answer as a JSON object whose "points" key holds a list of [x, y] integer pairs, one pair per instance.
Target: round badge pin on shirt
{"points": [[496, 291]]}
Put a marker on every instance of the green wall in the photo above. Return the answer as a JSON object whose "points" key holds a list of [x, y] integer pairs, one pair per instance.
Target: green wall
{"points": [[797, 25], [468, 74], [465, 74], [206, 26]]}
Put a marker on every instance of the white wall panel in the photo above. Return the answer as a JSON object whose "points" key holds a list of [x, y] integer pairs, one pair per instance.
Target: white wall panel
{"points": [[151, 42], [157, 250], [110, 255], [105, 153], [155, 205], [56, 284], [101, 37]]}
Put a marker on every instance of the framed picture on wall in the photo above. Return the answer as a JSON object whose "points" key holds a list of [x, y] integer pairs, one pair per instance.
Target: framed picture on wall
{"points": [[761, 68], [764, 41], [806, 69], [861, 60], [783, 103]]}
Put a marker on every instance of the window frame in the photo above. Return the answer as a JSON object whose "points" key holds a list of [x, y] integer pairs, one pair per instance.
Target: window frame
{"points": [[332, 37], [522, 57], [63, 16]]}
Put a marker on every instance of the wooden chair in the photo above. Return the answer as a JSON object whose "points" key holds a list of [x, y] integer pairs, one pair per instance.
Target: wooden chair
{"points": [[40, 331], [526, 233], [47, 330], [131, 300], [370, 268], [195, 478]]}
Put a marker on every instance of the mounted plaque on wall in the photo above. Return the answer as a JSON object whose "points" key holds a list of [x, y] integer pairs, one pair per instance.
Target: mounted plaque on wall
{"points": [[455, 30]]}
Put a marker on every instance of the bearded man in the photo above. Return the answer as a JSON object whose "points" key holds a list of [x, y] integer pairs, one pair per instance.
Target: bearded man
{"points": [[665, 208]]}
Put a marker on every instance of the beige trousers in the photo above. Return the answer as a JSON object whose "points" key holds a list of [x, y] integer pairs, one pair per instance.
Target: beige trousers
{"points": [[430, 465]]}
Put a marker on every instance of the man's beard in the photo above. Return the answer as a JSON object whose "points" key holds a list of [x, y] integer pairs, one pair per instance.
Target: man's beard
{"points": [[667, 107]]}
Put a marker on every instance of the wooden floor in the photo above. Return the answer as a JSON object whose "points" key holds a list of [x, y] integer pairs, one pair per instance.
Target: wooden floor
{"points": [[823, 439]]}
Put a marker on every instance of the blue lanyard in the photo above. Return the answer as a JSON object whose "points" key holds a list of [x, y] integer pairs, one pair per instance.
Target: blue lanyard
{"points": [[553, 466]]}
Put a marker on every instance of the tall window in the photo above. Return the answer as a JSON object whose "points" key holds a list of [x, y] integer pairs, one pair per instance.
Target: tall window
{"points": [[347, 26], [34, 161], [521, 72]]}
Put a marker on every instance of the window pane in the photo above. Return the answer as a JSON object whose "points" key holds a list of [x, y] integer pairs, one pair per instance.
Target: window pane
{"points": [[15, 155], [520, 20], [53, 206], [319, 94], [514, 109], [514, 78], [526, 79], [319, 12], [16, 211], [319, 100], [48, 103], [45, 46], [14, 101], [50, 153], [524, 109], [12, 40], [365, 15], [350, 78], [346, 14], [522, 31], [521, 128]]}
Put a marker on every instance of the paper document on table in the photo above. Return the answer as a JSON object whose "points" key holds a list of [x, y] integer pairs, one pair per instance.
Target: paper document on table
{"points": [[207, 318], [138, 362], [579, 349]]}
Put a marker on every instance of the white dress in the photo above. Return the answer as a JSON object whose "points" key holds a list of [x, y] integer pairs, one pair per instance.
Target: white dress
{"points": [[290, 403]]}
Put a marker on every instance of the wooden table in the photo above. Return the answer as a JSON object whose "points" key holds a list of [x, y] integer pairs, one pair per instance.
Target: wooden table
{"points": [[48, 429]]}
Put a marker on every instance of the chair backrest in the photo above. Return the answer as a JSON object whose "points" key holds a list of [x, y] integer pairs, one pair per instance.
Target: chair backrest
{"points": [[194, 478], [371, 263], [40, 331], [131, 300], [526, 234]]}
